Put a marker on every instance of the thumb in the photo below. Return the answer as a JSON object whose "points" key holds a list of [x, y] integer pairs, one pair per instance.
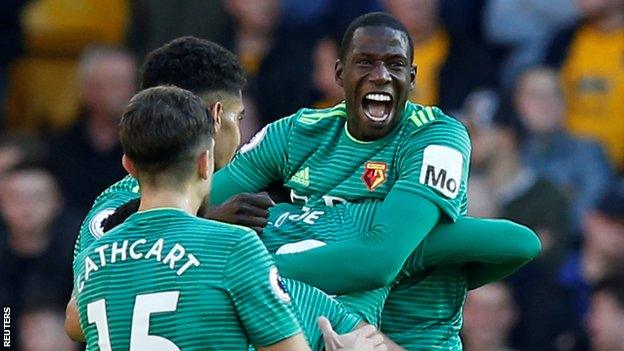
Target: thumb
{"points": [[326, 327]]}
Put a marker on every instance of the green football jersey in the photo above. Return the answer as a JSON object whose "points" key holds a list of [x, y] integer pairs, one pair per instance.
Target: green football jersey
{"points": [[313, 154], [293, 229], [424, 308], [104, 205], [310, 303], [165, 280]]}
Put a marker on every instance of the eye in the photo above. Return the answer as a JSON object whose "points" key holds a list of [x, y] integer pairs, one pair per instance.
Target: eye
{"points": [[397, 64], [363, 62]]}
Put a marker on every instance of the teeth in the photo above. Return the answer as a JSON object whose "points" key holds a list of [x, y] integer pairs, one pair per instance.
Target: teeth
{"points": [[378, 97]]}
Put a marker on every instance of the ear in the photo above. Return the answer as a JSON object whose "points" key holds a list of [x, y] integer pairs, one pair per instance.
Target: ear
{"points": [[217, 112], [128, 165], [338, 69], [205, 165], [413, 71]]}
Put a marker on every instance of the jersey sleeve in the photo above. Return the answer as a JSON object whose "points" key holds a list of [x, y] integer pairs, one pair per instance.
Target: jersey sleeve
{"points": [[260, 297], [104, 206], [260, 162], [434, 164]]}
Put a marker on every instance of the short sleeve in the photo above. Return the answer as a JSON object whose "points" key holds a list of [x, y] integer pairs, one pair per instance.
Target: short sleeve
{"points": [[260, 297], [105, 205], [434, 163]]}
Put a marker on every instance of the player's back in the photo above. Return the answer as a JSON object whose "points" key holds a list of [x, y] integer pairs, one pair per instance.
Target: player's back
{"points": [[165, 280]]}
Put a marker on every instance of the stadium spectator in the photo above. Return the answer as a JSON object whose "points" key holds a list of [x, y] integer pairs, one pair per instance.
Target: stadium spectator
{"points": [[86, 159], [501, 186], [605, 320], [431, 44], [602, 252], [489, 315], [578, 167], [524, 29], [444, 40], [42, 330], [324, 60], [36, 238], [590, 58]]}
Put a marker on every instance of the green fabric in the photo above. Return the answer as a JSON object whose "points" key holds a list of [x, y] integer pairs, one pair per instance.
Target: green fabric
{"points": [[374, 259], [495, 248], [220, 280]]}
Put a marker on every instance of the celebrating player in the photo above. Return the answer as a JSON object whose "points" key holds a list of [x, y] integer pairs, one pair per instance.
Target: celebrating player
{"points": [[375, 146], [439, 249], [164, 266]]}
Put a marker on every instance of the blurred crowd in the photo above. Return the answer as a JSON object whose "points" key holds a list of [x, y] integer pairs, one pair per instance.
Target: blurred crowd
{"points": [[539, 84]]}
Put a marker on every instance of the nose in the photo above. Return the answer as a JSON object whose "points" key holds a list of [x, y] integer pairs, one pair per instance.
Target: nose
{"points": [[379, 74]]}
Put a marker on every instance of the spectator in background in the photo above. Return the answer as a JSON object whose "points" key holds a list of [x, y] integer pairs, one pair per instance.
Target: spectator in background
{"points": [[501, 186], [592, 69], [525, 29], [86, 159], [42, 329], [605, 320], [36, 240], [323, 74], [431, 44], [578, 167], [602, 252], [489, 315]]}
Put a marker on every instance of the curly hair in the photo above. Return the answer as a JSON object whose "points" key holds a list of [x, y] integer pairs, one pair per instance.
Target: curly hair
{"points": [[193, 64]]}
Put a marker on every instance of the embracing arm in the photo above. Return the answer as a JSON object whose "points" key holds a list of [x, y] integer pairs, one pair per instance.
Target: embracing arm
{"points": [[369, 261]]}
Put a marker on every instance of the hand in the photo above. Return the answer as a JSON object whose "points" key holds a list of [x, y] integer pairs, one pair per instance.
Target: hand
{"points": [[246, 209], [363, 339]]}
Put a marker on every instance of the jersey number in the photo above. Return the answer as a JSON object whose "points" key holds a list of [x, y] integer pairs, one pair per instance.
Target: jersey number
{"points": [[144, 306]]}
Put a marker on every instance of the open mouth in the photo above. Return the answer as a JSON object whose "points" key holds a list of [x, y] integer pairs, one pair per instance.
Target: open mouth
{"points": [[377, 106]]}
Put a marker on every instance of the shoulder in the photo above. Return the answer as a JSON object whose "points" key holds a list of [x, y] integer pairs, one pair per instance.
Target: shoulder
{"points": [[429, 124]]}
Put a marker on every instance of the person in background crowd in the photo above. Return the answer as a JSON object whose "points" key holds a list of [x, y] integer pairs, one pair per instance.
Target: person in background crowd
{"points": [[577, 166], [525, 29], [325, 56], [489, 315], [605, 320], [86, 158], [590, 58], [42, 330], [35, 240], [602, 252], [501, 185], [431, 44]]}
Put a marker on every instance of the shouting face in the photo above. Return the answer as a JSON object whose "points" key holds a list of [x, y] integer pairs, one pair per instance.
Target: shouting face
{"points": [[377, 76]]}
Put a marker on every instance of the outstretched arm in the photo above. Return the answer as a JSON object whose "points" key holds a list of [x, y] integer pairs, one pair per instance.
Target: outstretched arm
{"points": [[491, 248], [369, 261]]}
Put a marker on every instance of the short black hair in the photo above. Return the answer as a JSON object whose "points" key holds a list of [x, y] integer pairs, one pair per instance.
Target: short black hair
{"points": [[162, 129], [612, 285], [374, 19], [194, 64]]}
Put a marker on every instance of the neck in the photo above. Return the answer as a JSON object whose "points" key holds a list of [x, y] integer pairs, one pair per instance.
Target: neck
{"points": [[102, 131], [612, 21], [158, 197]]}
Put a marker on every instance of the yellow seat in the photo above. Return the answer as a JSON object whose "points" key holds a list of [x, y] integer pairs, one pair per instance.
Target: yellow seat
{"points": [[65, 27]]}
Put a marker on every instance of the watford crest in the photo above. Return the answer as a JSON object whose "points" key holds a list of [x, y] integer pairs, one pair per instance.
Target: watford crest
{"points": [[374, 174]]}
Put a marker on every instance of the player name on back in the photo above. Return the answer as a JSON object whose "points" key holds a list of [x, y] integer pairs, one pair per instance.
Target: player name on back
{"points": [[177, 259]]}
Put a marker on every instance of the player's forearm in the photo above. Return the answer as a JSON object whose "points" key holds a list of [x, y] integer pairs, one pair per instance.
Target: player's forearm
{"points": [[372, 260], [492, 241]]}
